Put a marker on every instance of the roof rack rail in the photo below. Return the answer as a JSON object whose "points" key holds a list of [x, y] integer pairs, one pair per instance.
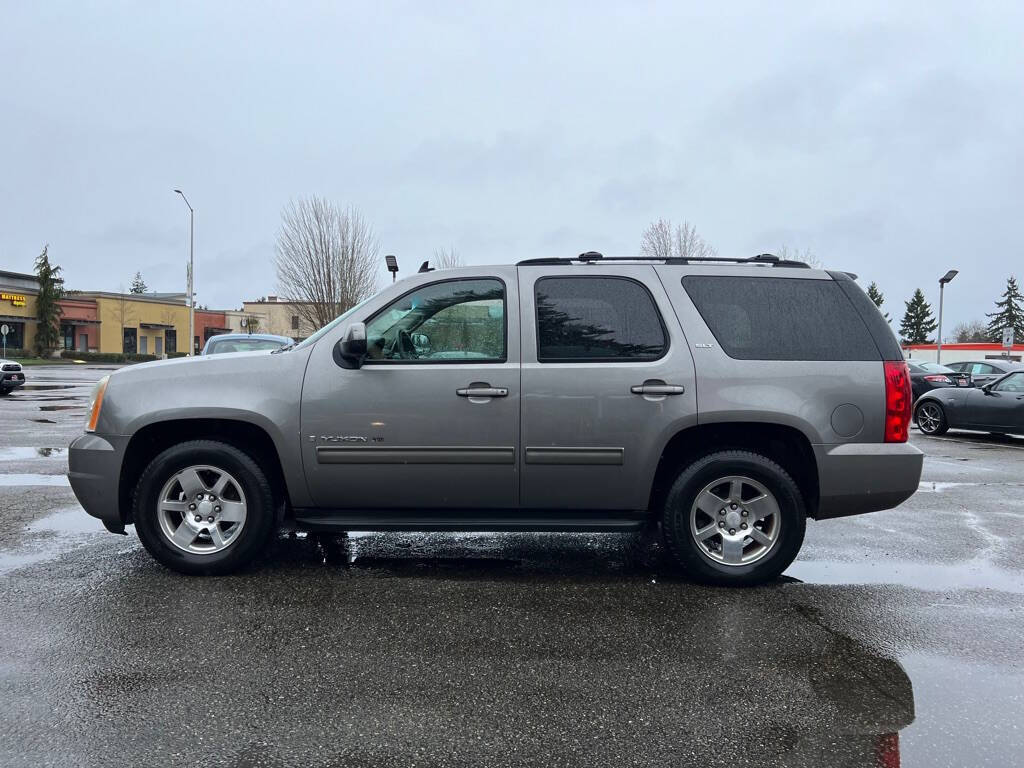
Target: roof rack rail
{"points": [[592, 257]]}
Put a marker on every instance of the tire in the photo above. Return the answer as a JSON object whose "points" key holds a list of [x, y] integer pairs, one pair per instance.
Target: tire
{"points": [[763, 486], [931, 418], [242, 510]]}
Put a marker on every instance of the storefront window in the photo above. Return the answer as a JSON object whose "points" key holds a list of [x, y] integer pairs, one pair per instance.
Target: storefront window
{"points": [[15, 334], [131, 336]]}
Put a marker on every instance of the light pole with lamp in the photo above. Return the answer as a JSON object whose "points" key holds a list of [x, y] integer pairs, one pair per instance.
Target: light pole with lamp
{"points": [[191, 264], [942, 284]]}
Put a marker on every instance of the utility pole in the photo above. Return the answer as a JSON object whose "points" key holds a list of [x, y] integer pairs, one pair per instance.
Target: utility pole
{"points": [[191, 274]]}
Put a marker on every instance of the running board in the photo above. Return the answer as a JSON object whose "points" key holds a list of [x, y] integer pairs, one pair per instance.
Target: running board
{"points": [[359, 520]]}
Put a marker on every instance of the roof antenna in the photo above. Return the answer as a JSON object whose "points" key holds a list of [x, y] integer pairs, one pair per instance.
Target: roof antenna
{"points": [[392, 263], [425, 267]]}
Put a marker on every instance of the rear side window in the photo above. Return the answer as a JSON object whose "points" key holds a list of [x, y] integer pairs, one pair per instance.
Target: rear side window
{"points": [[779, 318], [594, 319]]}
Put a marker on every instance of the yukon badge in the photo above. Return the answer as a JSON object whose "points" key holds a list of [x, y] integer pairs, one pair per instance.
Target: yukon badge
{"points": [[338, 438]]}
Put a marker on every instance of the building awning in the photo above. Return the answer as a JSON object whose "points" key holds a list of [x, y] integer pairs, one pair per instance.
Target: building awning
{"points": [[157, 326], [218, 330], [17, 319], [77, 321]]}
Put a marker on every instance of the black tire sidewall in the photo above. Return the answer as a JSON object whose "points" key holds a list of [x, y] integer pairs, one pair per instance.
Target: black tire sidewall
{"points": [[259, 521], [693, 479]]}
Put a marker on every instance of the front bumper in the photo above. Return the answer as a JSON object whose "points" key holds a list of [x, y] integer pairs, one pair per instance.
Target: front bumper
{"points": [[854, 478], [94, 464]]}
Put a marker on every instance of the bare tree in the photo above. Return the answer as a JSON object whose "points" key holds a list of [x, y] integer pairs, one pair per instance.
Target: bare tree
{"points": [[795, 254], [660, 240], [326, 259], [447, 258], [971, 331]]}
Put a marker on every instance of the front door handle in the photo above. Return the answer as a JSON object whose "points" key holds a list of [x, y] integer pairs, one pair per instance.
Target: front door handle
{"points": [[657, 388], [482, 390]]}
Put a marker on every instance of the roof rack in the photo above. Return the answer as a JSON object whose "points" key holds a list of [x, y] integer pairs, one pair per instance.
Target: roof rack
{"points": [[591, 257]]}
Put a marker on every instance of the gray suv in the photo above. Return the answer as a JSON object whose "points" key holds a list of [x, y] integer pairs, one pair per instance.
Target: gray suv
{"points": [[726, 400]]}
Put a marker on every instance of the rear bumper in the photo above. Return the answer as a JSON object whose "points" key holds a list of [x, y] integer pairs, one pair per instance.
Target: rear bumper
{"points": [[9, 380], [855, 478], [94, 464]]}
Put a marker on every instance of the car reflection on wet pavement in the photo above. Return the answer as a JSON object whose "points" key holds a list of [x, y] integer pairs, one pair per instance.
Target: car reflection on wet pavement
{"points": [[895, 640]]}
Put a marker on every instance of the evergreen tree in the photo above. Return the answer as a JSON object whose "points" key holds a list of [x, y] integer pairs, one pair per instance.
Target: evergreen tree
{"points": [[1008, 314], [138, 284], [876, 296], [918, 322], [48, 311]]}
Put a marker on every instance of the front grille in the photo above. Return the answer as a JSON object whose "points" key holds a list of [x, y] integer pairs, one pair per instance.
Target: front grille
{"points": [[12, 367]]}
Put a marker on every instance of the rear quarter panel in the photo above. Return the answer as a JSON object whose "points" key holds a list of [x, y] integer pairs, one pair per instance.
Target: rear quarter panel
{"points": [[799, 394]]}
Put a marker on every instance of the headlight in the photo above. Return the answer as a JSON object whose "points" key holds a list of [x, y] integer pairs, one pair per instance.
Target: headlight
{"points": [[96, 403]]}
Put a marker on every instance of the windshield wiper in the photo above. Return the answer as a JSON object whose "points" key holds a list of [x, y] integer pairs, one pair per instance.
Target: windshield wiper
{"points": [[285, 348]]}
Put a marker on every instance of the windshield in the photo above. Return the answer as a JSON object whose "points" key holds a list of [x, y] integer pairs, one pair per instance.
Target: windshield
{"points": [[242, 345], [310, 340]]}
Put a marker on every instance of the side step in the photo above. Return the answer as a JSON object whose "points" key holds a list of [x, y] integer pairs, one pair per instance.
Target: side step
{"points": [[384, 520]]}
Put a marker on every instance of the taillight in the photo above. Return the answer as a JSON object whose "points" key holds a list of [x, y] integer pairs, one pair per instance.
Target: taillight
{"points": [[897, 401], [938, 378]]}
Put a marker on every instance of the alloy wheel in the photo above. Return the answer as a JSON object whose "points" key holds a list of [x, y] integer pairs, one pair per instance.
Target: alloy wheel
{"points": [[735, 520], [202, 509]]}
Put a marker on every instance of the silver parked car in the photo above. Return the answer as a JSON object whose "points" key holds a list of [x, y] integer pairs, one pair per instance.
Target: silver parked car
{"points": [[245, 342], [727, 400]]}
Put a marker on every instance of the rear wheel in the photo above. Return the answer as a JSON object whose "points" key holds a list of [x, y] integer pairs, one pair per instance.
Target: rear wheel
{"points": [[734, 518], [931, 418], [204, 507]]}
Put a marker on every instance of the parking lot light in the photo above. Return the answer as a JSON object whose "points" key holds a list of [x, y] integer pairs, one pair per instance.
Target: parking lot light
{"points": [[942, 285]]}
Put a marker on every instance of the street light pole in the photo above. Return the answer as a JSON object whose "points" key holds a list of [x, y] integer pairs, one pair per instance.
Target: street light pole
{"points": [[942, 284], [191, 274]]}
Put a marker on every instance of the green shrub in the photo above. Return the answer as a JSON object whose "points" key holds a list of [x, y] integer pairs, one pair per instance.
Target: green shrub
{"points": [[135, 357], [176, 354], [13, 352]]}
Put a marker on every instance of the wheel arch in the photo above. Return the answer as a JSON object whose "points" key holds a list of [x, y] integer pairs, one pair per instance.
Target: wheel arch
{"points": [[783, 444], [153, 438]]}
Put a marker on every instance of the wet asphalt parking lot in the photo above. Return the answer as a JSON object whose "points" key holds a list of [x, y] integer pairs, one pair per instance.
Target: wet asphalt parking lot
{"points": [[895, 639]]}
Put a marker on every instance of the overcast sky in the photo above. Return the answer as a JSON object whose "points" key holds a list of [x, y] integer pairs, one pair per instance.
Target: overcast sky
{"points": [[887, 138]]}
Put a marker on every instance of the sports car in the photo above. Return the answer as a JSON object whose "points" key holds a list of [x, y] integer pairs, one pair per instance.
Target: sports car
{"points": [[997, 407]]}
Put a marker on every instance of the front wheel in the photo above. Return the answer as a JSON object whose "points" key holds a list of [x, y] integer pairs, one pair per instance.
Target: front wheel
{"points": [[734, 518], [931, 418], [203, 507]]}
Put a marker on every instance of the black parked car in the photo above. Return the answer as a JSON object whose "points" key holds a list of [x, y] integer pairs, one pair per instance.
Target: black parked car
{"points": [[985, 371], [927, 376], [997, 407]]}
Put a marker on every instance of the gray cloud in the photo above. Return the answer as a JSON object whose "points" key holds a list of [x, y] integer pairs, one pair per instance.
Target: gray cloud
{"points": [[883, 136]]}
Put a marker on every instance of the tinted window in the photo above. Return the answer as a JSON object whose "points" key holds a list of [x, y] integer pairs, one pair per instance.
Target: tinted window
{"points": [[779, 318], [982, 369], [596, 318], [451, 320]]}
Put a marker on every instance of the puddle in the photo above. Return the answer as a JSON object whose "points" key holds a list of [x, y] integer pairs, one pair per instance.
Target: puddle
{"points": [[19, 454], [939, 487], [932, 577], [24, 480], [43, 421], [59, 407], [49, 386], [61, 531]]}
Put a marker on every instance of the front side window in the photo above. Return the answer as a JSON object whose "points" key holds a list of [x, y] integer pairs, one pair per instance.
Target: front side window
{"points": [[454, 320], [982, 369], [594, 319], [1012, 383]]}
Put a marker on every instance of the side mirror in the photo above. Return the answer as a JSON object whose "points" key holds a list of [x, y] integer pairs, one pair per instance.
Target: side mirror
{"points": [[351, 350]]}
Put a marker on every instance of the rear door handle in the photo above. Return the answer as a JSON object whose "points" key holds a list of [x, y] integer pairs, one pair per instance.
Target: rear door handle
{"points": [[478, 391], [660, 388]]}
